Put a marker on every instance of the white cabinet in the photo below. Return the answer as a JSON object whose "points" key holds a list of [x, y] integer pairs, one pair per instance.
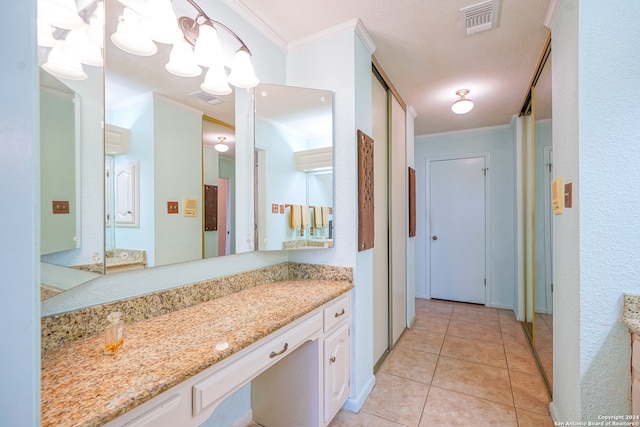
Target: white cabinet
{"points": [[116, 139], [336, 356], [300, 377], [336, 371]]}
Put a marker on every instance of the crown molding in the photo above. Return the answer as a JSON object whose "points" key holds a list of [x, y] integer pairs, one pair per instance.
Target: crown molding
{"points": [[255, 21], [552, 12], [354, 25], [362, 32], [412, 111], [463, 131]]}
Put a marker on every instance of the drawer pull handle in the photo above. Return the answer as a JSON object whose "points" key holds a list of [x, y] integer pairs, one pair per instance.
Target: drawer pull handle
{"points": [[274, 354], [341, 313], [333, 359]]}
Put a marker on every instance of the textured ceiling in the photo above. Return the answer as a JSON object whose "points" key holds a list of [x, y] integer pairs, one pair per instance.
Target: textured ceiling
{"points": [[422, 46]]}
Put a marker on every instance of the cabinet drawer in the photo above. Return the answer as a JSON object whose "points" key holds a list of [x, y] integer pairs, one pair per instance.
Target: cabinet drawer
{"points": [[260, 356], [160, 412], [336, 312]]}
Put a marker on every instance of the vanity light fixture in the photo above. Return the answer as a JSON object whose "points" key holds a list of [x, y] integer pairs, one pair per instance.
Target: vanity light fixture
{"points": [[221, 146], [195, 44], [73, 40], [462, 104]]}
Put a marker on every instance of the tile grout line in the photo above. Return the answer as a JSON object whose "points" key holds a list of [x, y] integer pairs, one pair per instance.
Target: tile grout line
{"points": [[424, 406]]}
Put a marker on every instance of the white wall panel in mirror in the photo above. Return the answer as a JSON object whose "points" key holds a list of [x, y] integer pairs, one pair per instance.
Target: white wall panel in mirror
{"points": [[294, 165]]}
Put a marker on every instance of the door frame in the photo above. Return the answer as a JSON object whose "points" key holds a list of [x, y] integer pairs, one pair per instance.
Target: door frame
{"points": [[487, 218], [548, 218]]}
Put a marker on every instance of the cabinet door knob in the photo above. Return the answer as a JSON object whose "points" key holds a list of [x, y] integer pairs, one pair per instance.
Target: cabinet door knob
{"points": [[333, 359]]}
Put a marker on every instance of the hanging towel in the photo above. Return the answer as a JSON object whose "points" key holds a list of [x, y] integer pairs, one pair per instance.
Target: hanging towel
{"points": [[317, 217], [304, 217], [295, 217], [325, 216]]}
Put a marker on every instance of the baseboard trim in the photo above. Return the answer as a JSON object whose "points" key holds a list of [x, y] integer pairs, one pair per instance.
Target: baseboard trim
{"points": [[354, 404], [244, 420], [554, 412], [412, 321]]}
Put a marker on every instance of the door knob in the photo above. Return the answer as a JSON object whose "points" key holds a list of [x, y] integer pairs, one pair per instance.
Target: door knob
{"points": [[434, 238]]}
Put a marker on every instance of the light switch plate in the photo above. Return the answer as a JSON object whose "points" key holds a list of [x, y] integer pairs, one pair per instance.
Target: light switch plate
{"points": [[60, 206], [172, 207], [568, 195]]}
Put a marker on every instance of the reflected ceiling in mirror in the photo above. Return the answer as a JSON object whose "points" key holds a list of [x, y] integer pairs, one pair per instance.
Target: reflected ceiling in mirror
{"points": [[159, 188], [294, 164]]}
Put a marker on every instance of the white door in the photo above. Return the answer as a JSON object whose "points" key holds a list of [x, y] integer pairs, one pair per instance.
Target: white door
{"points": [[457, 219], [127, 194]]}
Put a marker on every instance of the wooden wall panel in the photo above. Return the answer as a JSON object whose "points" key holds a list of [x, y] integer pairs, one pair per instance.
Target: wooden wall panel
{"points": [[210, 207], [365, 192]]}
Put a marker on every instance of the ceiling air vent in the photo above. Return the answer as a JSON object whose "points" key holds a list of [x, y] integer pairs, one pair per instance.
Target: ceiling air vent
{"points": [[206, 97], [480, 17]]}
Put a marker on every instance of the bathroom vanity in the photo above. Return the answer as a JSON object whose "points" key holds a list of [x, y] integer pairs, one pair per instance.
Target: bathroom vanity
{"points": [[290, 339]]}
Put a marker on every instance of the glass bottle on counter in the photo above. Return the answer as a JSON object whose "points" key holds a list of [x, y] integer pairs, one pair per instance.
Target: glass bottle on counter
{"points": [[114, 333]]}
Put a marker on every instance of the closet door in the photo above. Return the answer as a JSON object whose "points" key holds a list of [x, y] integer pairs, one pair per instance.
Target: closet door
{"points": [[381, 244], [398, 220]]}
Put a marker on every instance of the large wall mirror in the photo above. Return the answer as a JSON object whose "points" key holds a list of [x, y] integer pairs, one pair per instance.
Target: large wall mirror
{"points": [[294, 167], [137, 189]]}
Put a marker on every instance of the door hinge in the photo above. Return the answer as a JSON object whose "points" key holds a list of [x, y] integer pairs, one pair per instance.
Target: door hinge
{"points": [[484, 171], [485, 281], [551, 287]]}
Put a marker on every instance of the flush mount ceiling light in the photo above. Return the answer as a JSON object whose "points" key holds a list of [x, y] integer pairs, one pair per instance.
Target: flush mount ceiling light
{"points": [[221, 146], [195, 44], [462, 104]]}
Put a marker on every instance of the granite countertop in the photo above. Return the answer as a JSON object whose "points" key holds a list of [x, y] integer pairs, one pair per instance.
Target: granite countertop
{"points": [[82, 386], [631, 313], [125, 257]]}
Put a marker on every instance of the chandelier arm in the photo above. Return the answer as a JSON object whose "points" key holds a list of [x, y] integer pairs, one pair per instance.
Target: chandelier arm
{"points": [[199, 9], [219, 24]]}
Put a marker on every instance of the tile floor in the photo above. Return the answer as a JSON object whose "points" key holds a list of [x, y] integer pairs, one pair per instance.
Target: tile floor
{"points": [[460, 365]]}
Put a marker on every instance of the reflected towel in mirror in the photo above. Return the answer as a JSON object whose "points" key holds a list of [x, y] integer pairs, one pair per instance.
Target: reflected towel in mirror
{"points": [[304, 220], [325, 216], [295, 217], [317, 217]]}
